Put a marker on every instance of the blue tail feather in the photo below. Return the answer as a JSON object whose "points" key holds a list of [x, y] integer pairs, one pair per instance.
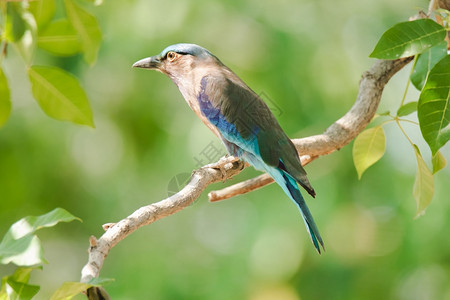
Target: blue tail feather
{"points": [[297, 197], [290, 187]]}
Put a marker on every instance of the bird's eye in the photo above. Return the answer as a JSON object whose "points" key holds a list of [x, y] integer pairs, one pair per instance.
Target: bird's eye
{"points": [[171, 56]]}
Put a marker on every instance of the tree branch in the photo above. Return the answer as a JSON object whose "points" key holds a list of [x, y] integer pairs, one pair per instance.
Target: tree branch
{"points": [[335, 137], [225, 168]]}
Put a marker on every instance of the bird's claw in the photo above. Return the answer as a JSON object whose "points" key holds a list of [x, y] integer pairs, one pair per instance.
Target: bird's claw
{"points": [[224, 164]]}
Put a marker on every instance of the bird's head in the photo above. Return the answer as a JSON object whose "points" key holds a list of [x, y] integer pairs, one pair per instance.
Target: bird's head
{"points": [[179, 60]]}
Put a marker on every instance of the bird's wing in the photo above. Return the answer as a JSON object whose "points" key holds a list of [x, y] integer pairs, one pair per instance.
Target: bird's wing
{"points": [[246, 121]]}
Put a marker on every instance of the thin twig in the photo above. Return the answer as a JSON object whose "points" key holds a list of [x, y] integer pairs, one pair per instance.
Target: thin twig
{"points": [[432, 7]]}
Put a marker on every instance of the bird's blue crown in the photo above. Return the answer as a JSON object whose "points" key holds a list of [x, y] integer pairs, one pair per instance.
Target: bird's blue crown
{"points": [[191, 49]]}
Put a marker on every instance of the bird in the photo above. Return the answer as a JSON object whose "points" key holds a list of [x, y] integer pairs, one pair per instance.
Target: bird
{"points": [[239, 117]]}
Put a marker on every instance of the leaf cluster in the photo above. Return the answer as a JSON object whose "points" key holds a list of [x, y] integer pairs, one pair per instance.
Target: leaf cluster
{"points": [[28, 26], [22, 247], [430, 74]]}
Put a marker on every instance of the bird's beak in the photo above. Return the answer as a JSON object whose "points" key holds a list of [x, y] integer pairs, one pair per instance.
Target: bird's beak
{"points": [[148, 63]]}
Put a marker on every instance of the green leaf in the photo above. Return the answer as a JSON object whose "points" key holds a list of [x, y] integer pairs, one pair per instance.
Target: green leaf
{"points": [[22, 291], [20, 246], [21, 30], [368, 148], [98, 281], [68, 290], [10, 247], [408, 39], [384, 113], [22, 274], [426, 61], [15, 24], [407, 109], [25, 251], [59, 38], [31, 224], [438, 161], [433, 110], [43, 11], [60, 95], [5, 100], [423, 189], [3, 294], [27, 43], [87, 27]]}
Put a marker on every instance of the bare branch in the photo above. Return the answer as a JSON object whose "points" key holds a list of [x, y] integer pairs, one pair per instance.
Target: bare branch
{"points": [[335, 137], [225, 168]]}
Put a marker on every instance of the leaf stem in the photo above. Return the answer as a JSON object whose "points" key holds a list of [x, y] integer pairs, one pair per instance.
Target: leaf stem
{"points": [[387, 121], [409, 80], [397, 120], [404, 132], [409, 121]]}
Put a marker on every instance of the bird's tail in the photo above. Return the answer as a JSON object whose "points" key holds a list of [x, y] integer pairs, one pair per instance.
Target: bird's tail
{"points": [[290, 187]]}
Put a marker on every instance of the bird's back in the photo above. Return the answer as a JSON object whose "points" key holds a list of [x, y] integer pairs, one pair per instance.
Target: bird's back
{"points": [[233, 106]]}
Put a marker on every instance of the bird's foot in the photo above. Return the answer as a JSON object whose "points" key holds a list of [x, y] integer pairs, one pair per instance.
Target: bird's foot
{"points": [[224, 164]]}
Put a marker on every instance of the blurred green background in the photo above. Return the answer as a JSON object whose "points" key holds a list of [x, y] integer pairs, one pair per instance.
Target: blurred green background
{"points": [[305, 56]]}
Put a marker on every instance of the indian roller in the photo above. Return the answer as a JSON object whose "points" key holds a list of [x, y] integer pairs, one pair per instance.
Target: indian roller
{"points": [[238, 116]]}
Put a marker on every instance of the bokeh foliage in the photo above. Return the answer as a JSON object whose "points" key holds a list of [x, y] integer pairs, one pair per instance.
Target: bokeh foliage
{"points": [[307, 56]]}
